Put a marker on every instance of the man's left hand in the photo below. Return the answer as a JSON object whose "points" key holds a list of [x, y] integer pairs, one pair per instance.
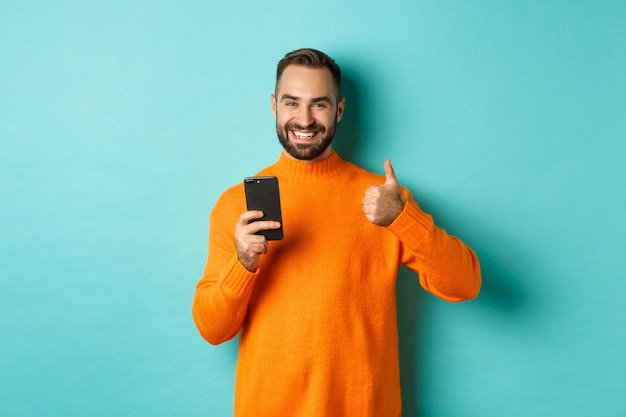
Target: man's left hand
{"points": [[383, 203]]}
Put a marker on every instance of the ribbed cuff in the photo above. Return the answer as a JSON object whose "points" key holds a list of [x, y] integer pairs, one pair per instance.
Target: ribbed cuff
{"points": [[414, 227], [237, 279]]}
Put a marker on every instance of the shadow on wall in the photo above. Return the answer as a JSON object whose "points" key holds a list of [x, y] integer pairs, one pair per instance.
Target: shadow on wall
{"points": [[348, 134], [501, 291], [500, 295], [410, 299]]}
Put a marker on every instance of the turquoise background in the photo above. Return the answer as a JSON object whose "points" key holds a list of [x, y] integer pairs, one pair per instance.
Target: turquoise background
{"points": [[121, 122]]}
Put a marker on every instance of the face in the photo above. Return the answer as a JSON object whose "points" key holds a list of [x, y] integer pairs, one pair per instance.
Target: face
{"points": [[307, 110]]}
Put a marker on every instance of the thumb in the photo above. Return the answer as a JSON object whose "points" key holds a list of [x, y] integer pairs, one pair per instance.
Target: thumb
{"points": [[390, 175]]}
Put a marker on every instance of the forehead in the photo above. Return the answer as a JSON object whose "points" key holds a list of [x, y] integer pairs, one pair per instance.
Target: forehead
{"points": [[301, 81]]}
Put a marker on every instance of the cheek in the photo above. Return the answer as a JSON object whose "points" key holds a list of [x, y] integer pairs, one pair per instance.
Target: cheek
{"points": [[330, 120], [280, 118]]}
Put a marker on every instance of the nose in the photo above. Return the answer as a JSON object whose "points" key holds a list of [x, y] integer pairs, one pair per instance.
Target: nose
{"points": [[305, 116]]}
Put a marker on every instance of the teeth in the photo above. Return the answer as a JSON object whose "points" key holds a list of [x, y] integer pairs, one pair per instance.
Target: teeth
{"points": [[302, 135]]}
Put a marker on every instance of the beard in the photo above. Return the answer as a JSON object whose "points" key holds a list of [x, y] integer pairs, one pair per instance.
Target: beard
{"points": [[308, 151]]}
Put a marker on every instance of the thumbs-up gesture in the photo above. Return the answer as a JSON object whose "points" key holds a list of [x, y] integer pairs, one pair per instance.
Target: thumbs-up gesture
{"points": [[384, 202]]}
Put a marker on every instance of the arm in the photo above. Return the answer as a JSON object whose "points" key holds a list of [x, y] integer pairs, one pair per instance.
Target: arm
{"points": [[222, 294], [446, 266]]}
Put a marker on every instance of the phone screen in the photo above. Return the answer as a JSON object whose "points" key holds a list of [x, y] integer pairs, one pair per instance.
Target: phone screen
{"points": [[262, 194]]}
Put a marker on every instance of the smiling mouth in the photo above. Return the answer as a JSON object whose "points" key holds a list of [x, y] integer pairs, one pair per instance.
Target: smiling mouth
{"points": [[303, 135]]}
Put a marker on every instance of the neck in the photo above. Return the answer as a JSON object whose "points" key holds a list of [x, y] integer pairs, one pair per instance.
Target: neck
{"points": [[288, 167]]}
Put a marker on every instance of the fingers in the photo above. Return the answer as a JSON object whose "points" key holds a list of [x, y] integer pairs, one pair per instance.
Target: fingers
{"points": [[248, 216], [371, 195], [370, 202], [390, 175], [248, 222], [250, 245]]}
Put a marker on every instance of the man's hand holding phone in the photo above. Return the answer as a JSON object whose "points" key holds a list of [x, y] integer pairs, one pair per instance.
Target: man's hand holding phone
{"points": [[250, 245], [262, 221]]}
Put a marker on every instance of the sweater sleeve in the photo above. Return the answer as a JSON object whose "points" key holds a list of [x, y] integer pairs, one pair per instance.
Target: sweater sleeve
{"points": [[447, 268], [222, 294]]}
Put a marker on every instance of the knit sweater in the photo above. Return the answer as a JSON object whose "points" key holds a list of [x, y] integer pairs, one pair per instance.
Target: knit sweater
{"points": [[317, 318]]}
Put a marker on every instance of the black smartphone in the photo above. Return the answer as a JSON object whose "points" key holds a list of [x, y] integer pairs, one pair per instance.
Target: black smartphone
{"points": [[262, 194]]}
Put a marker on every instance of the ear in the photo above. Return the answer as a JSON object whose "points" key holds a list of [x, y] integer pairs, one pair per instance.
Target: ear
{"points": [[273, 99], [340, 106]]}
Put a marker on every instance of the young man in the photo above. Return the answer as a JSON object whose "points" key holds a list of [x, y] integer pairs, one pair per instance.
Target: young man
{"points": [[316, 311]]}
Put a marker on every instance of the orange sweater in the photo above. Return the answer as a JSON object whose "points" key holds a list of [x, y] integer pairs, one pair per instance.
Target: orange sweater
{"points": [[317, 320]]}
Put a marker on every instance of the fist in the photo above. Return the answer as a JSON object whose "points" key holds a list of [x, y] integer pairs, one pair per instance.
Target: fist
{"points": [[384, 202]]}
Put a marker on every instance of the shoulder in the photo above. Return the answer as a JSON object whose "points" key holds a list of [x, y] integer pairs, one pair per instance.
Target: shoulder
{"points": [[231, 203], [234, 197], [367, 178], [358, 173]]}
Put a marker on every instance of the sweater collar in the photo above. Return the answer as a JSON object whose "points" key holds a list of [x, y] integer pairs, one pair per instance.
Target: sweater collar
{"points": [[294, 169]]}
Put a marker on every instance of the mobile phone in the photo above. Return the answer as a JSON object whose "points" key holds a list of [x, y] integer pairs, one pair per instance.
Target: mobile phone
{"points": [[262, 194]]}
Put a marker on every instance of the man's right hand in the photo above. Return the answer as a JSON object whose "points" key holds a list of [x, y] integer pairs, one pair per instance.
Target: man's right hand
{"points": [[250, 246]]}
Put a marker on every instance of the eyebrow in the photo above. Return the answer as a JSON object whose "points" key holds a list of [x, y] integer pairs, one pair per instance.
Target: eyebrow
{"points": [[314, 100]]}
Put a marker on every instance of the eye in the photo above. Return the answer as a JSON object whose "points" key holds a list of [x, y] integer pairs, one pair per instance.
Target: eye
{"points": [[290, 103], [319, 105]]}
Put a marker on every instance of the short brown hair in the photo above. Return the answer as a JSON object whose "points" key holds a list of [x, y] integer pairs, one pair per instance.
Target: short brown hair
{"points": [[311, 58]]}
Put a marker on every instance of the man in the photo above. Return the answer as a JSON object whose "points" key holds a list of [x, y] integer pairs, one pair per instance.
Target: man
{"points": [[316, 311]]}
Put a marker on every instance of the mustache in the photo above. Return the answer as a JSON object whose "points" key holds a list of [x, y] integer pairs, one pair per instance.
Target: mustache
{"points": [[313, 126]]}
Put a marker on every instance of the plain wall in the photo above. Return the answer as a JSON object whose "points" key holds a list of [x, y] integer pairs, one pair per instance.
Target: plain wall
{"points": [[121, 122]]}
